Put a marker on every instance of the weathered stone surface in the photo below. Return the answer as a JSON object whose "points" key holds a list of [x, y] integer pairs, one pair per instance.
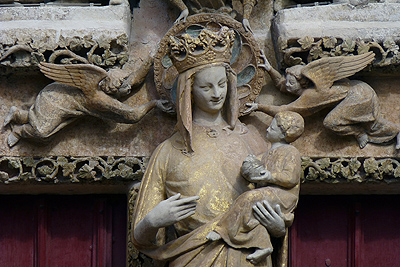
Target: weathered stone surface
{"points": [[70, 170], [372, 21], [317, 141], [88, 136], [91, 34], [373, 26], [93, 137]]}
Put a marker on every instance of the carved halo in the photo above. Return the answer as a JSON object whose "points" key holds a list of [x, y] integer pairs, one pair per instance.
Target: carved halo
{"points": [[245, 58]]}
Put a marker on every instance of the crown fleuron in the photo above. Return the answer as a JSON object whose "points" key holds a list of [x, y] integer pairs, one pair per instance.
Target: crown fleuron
{"points": [[188, 51]]}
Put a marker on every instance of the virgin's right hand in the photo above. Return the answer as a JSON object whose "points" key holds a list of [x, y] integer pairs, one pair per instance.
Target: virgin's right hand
{"points": [[171, 210]]}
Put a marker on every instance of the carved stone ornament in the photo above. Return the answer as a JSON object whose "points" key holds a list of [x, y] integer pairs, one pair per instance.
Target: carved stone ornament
{"points": [[350, 170], [64, 34], [354, 104], [304, 34], [61, 170], [79, 90], [308, 49], [244, 61]]}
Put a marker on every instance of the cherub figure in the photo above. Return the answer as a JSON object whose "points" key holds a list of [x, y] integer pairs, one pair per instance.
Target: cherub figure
{"points": [[277, 177], [79, 90], [321, 84], [214, 6]]}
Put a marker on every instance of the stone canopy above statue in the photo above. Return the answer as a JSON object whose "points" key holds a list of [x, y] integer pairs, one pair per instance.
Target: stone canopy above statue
{"points": [[64, 34], [308, 33]]}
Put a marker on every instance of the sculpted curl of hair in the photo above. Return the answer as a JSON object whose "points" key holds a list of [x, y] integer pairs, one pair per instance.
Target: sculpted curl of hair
{"points": [[291, 124]]}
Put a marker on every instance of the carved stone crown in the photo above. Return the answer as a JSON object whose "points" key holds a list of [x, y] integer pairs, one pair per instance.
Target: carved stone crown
{"points": [[188, 50]]}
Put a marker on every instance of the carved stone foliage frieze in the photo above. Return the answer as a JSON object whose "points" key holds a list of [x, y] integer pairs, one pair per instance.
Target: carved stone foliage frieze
{"points": [[53, 170], [351, 170], [303, 34], [64, 34], [27, 52], [307, 49]]}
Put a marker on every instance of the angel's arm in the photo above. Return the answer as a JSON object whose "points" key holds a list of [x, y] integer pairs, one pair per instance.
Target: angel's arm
{"points": [[247, 9], [106, 107], [278, 79], [304, 105], [137, 76], [182, 8], [179, 4]]}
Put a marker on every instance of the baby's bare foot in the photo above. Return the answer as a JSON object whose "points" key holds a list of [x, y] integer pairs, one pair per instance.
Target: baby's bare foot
{"points": [[398, 141], [259, 255], [362, 140], [10, 116], [213, 236], [12, 139]]}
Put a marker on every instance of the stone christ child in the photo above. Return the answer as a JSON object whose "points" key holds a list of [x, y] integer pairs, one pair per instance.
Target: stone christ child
{"points": [[278, 179]]}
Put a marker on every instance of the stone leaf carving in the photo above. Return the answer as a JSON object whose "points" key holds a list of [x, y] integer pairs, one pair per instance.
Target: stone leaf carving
{"points": [[350, 170], [28, 52], [308, 49], [59, 170], [241, 10]]}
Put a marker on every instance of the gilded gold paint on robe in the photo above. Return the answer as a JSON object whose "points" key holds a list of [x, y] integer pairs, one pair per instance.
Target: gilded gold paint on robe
{"points": [[213, 173]]}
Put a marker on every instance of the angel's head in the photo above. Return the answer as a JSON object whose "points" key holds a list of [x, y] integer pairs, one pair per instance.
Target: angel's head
{"points": [[108, 86], [295, 81]]}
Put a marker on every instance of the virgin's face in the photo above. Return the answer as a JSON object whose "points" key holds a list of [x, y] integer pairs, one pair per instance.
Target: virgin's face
{"points": [[209, 89], [274, 133]]}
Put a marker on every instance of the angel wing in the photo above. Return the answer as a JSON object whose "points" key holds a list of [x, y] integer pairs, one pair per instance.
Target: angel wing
{"points": [[84, 76], [324, 72]]}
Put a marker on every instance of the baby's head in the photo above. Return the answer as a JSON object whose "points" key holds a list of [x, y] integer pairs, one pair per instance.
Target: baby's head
{"points": [[291, 124]]}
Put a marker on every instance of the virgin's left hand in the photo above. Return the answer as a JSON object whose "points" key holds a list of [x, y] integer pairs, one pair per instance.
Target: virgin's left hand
{"points": [[270, 218]]}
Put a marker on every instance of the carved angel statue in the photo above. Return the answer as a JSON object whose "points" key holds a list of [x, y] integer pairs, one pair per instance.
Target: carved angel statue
{"points": [[215, 6], [79, 90], [321, 84]]}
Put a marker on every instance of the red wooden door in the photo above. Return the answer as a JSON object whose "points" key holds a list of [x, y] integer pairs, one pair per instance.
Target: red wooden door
{"points": [[346, 231], [47, 231]]}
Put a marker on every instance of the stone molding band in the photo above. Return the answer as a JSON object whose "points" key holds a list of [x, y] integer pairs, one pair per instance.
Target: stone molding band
{"points": [[307, 49], [350, 170], [62, 170]]}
